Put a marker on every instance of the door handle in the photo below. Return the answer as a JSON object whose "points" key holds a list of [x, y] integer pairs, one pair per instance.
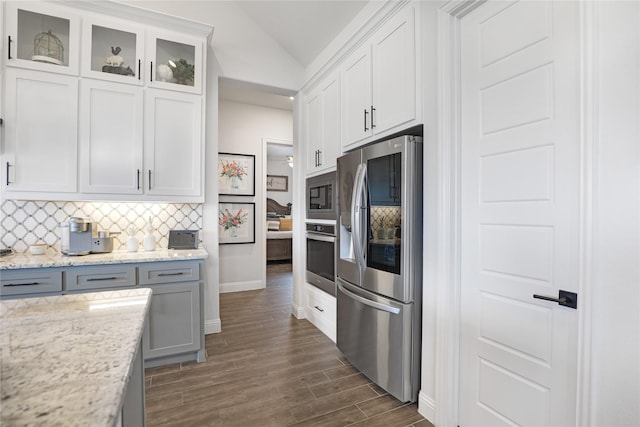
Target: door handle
{"points": [[365, 301], [9, 48], [565, 298], [372, 110], [365, 120]]}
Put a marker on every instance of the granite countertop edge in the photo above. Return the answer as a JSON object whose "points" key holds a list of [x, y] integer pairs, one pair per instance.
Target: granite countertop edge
{"points": [[67, 360], [55, 259]]}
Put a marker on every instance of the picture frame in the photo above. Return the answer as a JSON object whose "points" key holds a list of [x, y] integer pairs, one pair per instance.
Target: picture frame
{"points": [[236, 223], [277, 183], [236, 174]]}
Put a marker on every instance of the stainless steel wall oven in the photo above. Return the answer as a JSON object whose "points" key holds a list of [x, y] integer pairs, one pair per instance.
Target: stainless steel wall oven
{"points": [[321, 256]]}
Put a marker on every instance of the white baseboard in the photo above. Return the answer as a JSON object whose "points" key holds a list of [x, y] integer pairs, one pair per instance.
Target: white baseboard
{"points": [[427, 407], [241, 286], [212, 326]]}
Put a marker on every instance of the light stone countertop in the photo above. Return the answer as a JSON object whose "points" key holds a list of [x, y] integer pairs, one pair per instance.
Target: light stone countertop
{"points": [[55, 259], [66, 360]]}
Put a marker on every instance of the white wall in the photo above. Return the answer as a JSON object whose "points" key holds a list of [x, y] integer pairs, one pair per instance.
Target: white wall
{"points": [[242, 128], [282, 168]]}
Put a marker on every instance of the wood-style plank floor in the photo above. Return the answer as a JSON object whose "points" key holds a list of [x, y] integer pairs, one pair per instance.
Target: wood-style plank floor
{"points": [[268, 368]]}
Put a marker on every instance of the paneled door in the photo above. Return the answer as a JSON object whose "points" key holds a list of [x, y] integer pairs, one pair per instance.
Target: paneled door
{"points": [[520, 213]]}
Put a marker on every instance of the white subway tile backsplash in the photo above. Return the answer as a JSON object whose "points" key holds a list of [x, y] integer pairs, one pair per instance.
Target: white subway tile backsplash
{"points": [[25, 222]]}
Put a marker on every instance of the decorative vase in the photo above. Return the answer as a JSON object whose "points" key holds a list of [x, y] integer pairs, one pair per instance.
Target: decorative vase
{"points": [[132, 242], [234, 232], [235, 182], [149, 241]]}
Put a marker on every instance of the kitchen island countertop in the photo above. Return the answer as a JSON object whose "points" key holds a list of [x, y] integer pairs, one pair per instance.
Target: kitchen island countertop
{"points": [[55, 259], [66, 360]]}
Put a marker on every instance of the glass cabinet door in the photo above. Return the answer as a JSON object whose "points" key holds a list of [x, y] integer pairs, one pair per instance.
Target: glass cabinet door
{"points": [[175, 63], [112, 51], [42, 37]]}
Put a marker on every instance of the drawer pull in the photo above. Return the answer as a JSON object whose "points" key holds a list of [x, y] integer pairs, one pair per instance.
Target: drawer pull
{"points": [[321, 310], [95, 279], [180, 273], [20, 284]]}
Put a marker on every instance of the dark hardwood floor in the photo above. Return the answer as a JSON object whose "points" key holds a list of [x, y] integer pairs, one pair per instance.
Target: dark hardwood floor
{"points": [[268, 368]]}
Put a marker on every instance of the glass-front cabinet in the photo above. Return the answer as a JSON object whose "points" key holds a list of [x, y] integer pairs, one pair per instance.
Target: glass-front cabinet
{"points": [[175, 62], [112, 51], [42, 37]]}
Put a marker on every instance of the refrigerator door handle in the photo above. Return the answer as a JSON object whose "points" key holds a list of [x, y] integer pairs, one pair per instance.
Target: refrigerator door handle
{"points": [[356, 216], [368, 302]]}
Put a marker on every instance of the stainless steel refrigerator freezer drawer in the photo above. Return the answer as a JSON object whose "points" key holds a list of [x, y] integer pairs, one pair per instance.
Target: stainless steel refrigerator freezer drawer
{"points": [[375, 335]]}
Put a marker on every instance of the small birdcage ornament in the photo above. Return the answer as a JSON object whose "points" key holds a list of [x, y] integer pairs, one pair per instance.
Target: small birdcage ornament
{"points": [[48, 48]]}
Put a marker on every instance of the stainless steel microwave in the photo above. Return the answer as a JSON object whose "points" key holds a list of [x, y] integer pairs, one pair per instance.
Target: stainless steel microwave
{"points": [[322, 196]]}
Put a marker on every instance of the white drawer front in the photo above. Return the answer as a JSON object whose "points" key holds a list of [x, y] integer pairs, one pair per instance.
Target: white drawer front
{"points": [[321, 310]]}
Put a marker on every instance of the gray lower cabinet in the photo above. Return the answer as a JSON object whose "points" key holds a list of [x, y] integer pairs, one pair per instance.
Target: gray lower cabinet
{"points": [[174, 331], [95, 277], [31, 282], [175, 326]]}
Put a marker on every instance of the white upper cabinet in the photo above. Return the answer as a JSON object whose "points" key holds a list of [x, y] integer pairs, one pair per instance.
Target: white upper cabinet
{"points": [[379, 82], [42, 36], [40, 148], [175, 62], [111, 125], [173, 149], [112, 50], [323, 125]]}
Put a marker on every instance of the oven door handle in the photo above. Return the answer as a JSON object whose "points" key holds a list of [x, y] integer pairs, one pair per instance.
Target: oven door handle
{"points": [[320, 237]]}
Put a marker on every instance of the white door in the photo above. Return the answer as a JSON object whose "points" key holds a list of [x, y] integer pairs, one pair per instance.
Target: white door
{"points": [[520, 213], [356, 96]]}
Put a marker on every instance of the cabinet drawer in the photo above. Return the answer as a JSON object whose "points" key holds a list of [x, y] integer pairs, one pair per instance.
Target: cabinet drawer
{"points": [[30, 281], [321, 310], [169, 272], [100, 277]]}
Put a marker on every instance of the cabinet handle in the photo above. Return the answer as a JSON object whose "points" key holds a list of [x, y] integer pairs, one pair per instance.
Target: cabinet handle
{"points": [[138, 172], [139, 64], [319, 158], [318, 308], [20, 284], [170, 274], [372, 110], [8, 165], [9, 48], [149, 179], [151, 71], [365, 120], [96, 279]]}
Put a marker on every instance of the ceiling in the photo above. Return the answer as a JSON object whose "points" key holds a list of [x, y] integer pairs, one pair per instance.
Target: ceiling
{"points": [[303, 28]]}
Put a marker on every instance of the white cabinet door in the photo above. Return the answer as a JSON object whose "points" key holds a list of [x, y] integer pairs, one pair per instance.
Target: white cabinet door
{"points": [[112, 50], [173, 146], [314, 130], [41, 132], [111, 123], [394, 73], [323, 125], [175, 62], [356, 96], [42, 36]]}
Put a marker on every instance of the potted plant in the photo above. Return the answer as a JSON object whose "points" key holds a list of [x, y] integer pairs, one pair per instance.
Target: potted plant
{"points": [[183, 72]]}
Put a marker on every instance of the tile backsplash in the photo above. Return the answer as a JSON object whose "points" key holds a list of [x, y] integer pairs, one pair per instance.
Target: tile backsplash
{"points": [[26, 222]]}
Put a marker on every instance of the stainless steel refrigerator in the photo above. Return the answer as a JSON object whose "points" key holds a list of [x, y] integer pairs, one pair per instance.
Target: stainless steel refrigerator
{"points": [[379, 266]]}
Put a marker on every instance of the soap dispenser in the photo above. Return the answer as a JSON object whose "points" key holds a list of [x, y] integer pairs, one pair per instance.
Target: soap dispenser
{"points": [[132, 241], [149, 239]]}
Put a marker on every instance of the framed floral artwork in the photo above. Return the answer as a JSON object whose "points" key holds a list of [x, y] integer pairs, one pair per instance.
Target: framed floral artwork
{"points": [[236, 174], [236, 222], [277, 183]]}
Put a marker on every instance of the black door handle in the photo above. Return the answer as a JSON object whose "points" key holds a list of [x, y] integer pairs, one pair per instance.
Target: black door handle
{"points": [[9, 48], [372, 110], [565, 298]]}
